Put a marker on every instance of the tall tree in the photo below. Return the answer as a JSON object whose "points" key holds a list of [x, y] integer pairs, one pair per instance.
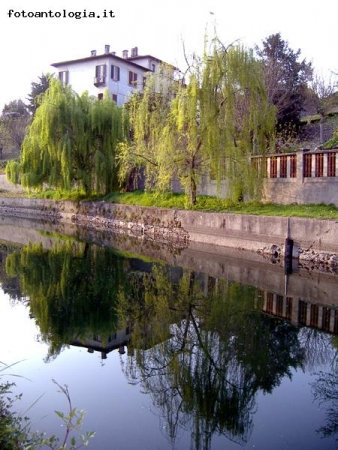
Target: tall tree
{"points": [[216, 122], [15, 108], [37, 89], [13, 123], [71, 143], [320, 97], [285, 76], [238, 121]]}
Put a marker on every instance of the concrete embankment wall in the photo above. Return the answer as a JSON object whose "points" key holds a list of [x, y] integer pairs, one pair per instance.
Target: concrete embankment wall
{"points": [[255, 233]]}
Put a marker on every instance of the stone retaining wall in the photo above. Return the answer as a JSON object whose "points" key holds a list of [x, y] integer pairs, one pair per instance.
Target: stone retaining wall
{"points": [[314, 240]]}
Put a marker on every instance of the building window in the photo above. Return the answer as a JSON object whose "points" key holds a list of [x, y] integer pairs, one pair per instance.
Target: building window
{"points": [[319, 165], [331, 164], [307, 165], [132, 79], [314, 314], [283, 166], [279, 305], [288, 309], [335, 329], [269, 303], [63, 76], [302, 309], [114, 97], [273, 167], [100, 75], [100, 96], [326, 319], [153, 68], [115, 73]]}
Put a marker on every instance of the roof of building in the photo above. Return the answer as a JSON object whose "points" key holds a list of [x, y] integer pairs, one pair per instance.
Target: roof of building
{"points": [[111, 55], [144, 56]]}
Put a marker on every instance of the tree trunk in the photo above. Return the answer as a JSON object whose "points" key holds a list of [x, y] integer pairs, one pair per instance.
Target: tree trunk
{"points": [[192, 191]]}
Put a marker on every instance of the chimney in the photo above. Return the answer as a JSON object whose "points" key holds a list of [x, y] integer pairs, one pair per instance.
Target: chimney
{"points": [[106, 48], [93, 53], [113, 53], [134, 52], [125, 54]]}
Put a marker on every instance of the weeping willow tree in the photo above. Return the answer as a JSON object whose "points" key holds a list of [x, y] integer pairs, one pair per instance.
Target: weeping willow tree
{"points": [[71, 143], [147, 113], [72, 290], [166, 139], [237, 121], [212, 125]]}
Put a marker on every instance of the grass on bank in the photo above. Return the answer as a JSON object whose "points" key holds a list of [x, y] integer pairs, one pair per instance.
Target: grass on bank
{"points": [[213, 204], [181, 201]]}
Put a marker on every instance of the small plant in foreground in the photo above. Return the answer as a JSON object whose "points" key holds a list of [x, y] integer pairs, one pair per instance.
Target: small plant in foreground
{"points": [[73, 421], [15, 432]]}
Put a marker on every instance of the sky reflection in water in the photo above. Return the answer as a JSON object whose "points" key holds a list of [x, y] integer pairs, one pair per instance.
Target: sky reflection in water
{"points": [[205, 368]]}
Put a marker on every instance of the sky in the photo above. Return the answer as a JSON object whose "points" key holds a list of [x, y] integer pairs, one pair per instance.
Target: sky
{"points": [[162, 29]]}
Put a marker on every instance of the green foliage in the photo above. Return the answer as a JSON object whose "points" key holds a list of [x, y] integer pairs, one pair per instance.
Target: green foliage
{"points": [[13, 124], [37, 91], [59, 194], [205, 203], [286, 138], [15, 108], [333, 142], [285, 76], [197, 351], [3, 166], [13, 171], [214, 123], [73, 422], [238, 120], [72, 290], [12, 426], [71, 143], [15, 431]]}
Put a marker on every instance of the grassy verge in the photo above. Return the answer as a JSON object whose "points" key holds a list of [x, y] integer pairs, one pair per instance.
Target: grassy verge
{"points": [[181, 201], [204, 203]]}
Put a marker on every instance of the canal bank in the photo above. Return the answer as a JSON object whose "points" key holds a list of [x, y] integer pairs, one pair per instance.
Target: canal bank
{"points": [[314, 241]]}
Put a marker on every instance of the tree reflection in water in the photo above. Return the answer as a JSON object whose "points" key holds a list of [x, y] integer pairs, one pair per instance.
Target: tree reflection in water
{"points": [[325, 390], [201, 346], [221, 351], [72, 290]]}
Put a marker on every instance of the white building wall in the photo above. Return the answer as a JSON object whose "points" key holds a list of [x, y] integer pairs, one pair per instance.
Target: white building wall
{"points": [[81, 76], [148, 62]]}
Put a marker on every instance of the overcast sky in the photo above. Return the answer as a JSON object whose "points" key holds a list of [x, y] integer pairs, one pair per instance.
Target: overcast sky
{"points": [[29, 45]]}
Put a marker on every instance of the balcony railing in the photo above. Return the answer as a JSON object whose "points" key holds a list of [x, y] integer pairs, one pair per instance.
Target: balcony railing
{"points": [[99, 81]]}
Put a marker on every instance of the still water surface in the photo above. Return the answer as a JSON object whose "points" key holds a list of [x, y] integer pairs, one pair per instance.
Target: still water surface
{"points": [[163, 356]]}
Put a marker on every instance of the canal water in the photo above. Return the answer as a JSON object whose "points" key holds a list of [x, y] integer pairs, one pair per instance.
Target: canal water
{"points": [[168, 347]]}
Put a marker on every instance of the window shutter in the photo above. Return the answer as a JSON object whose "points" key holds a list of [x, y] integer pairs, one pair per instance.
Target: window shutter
{"points": [[115, 73]]}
